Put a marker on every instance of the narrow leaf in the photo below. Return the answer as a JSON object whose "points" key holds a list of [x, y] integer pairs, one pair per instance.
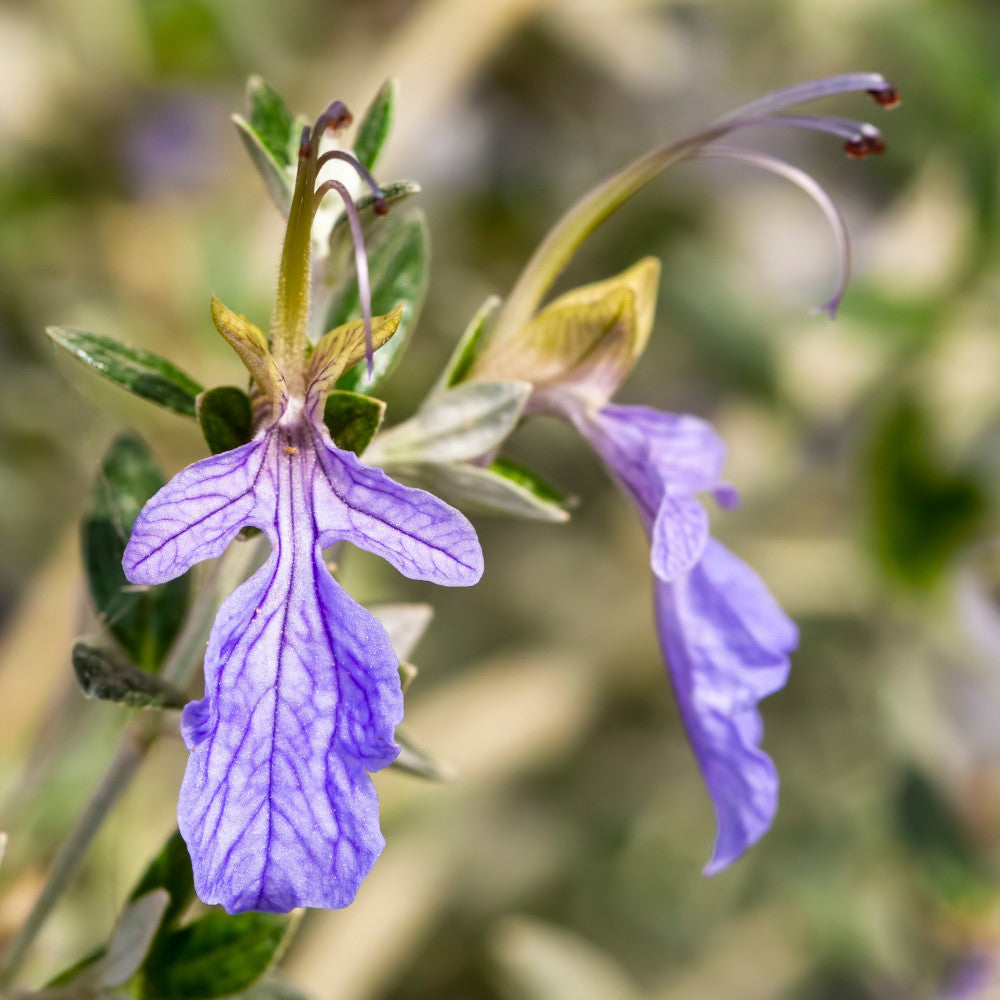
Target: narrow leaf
{"points": [[103, 675], [279, 182], [531, 481], [140, 372], [144, 621], [398, 258], [475, 489], [169, 870], [272, 121], [376, 124], [414, 760], [226, 418], [215, 956], [405, 623], [132, 937], [462, 358], [352, 419], [407, 675], [455, 426]]}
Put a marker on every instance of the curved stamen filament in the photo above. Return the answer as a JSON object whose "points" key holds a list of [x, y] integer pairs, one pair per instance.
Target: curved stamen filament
{"points": [[377, 193], [360, 257], [860, 138], [811, 187], [336, 117], [873, 83]]}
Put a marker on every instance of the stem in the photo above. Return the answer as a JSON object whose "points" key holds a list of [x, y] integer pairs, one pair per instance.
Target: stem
{"points": [[563, 240], [139, 737], [135, 744]]}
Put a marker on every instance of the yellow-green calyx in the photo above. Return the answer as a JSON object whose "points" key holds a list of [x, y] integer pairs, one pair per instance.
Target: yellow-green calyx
{"points": [[587, 340]]}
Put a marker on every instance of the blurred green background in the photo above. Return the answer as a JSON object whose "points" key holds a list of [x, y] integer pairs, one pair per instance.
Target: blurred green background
{"points": [[563, 862]]}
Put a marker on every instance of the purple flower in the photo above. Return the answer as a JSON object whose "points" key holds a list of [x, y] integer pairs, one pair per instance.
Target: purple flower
{"points": [[302, 691], [724, 638]]}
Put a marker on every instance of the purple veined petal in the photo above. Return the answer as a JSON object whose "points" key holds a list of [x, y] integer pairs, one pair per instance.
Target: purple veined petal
{"points": [[302, 700], [726, 642], [198, 513], [678, 537], [686, 450], [422, 536]]}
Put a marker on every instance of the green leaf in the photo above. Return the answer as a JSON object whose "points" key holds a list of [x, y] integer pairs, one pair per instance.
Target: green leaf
{"points": [[170, 870], [462, 357], [415, 761], [103, 675], [458, 425], [271, 137], [141, 372], [407, 675], [274, 124], [271, 988], [352, 419], [398, 258], [85, 970], [214, 956], [132, 937], [226, 417], [475, 489], [376, 124], [923, 511], [531, 481], [405, 623], [145, 620]]}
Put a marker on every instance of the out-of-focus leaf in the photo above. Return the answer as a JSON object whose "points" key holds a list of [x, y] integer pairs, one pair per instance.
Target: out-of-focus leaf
{"points": [[226, 417], [455, 426], [540, 962], [144, 620], [923, 510], [133, 934], [407, 675], [462, 357], [376, 124], [271, 988], [214, 956], [141, 372], [352, 419], [414, 760], [405, 623], [169, 870], [531, 481], [105, 676], [85, 971], [271, 137], [398, 259], [470, 487]]}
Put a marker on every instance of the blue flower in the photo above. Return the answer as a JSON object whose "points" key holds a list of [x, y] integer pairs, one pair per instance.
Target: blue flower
{"points": [[302, 691], [725, 640]]}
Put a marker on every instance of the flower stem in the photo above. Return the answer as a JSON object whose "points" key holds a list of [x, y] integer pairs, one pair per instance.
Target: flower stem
{"points": [[139, 737]]}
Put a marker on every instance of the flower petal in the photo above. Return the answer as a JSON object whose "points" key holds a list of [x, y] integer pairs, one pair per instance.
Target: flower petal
{"points": [[302, 699], [198, 513], [679, 536], [726, 642], [685, 450], [422, 536]]}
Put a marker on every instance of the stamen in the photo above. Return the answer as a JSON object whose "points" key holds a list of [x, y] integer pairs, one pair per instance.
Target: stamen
{"points": [[305, 146], [860, 138], [379, 202], [872, 83], [360, 258], [811, 187], [336, 117]]}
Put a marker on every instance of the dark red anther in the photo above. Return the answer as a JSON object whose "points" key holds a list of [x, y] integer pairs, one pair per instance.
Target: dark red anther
{"points": [[887, 97], [876, 144], [857, 149], [336, 117], [380, 206]]}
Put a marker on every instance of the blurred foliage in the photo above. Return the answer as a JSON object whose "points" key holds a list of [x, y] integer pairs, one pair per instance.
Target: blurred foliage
{"points": [[568, 848]]}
